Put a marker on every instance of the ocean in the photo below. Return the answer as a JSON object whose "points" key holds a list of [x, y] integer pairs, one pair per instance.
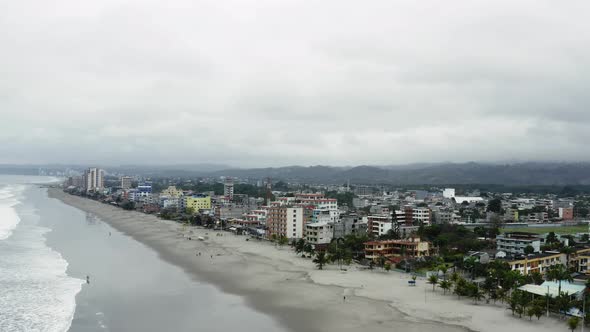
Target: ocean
{"points": [[47, 249]]}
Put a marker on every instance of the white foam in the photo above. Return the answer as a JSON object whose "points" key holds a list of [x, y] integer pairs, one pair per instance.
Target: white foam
{"points": [[36, 294], [9, 219]]}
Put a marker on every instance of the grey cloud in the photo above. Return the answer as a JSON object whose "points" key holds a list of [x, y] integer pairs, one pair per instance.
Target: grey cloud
{"points": [[255, 83]]}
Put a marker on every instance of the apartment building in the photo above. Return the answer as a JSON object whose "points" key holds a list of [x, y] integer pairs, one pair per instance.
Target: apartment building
{"points": [[413, 247], [126, 182], [285, 221], [379, 225], [515, 242], [93, 179], [197, 202], [540, 262], [318, 234]]}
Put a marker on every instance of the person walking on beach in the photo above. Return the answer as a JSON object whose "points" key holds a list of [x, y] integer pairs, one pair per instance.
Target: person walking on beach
{"points": [[344, 298]]}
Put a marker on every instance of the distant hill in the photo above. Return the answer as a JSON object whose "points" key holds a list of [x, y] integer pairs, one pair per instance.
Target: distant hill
{"points": [[509, 174], [449, 173]]}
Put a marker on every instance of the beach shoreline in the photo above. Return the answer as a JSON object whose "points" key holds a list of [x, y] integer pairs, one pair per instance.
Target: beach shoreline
{"points": [[277, 282]]}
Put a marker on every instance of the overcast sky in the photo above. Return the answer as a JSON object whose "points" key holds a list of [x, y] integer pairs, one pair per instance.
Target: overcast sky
{"points": [[273, 82]]}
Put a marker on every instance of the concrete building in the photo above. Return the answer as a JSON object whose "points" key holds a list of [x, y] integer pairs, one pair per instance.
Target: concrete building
{"points": [[566, 213], [171, 191], [228, 188], [126, 182], [449, 193], [285, 221], [379, 225], [421, 215], [93, 179], [227, 212], [410, 248], [540, 262], [350, 224], [515, 242], [145, 189], [319, 233], [198, 202]]}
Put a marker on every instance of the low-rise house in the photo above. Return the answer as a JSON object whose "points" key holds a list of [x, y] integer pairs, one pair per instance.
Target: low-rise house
{"points": [[410, 248]]}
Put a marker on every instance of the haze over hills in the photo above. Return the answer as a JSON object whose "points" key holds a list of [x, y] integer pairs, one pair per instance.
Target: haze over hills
{"points": [[530, 173], [449, 173]]}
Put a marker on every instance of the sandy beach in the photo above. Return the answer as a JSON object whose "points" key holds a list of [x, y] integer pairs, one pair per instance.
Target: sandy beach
{"points": [[278, 282]]}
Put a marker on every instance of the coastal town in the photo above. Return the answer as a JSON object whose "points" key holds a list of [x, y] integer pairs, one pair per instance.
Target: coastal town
{"points": [[527, 252]]}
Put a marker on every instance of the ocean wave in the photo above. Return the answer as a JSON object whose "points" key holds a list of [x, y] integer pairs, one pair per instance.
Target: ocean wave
{"points": [[36, 294], [9, 219]]}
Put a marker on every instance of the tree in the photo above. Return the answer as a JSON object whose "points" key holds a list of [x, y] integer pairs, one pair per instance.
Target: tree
{"points": [[530, 312], [563, 303], [538, 310], [495, 205], [320, 260], [559, 273], [475, 292], [128, 205], [444, 269], [308, 249], [445, 285], [299, 246], [567, 251], [572, 323], [529, 250], [433, 280], [282, 240], [382, 260], [551, 238]]}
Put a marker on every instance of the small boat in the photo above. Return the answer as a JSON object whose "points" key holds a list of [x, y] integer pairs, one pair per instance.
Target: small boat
{"points": [[201, 238]]}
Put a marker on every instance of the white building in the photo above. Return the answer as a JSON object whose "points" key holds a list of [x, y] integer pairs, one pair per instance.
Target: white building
{"points": [[449, 193], [379, 225], [421, 215], [316, 233], [228, 188], [93, 179]]}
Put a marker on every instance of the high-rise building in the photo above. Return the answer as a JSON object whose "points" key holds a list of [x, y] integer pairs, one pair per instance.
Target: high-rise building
{"points": [[126, 182], [228, 188], [285, 221], [93, 179]]}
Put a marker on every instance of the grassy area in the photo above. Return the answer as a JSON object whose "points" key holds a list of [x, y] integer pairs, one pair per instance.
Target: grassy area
{"points": [[541, 230]]}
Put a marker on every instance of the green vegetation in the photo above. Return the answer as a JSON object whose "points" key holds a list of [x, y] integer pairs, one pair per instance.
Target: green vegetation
{"points": [[542, 230], [320, 260], [343, 198]]}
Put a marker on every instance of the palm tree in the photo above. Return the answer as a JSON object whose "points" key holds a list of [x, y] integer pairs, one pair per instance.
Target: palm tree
{"points": [[320, 260], [567, 251], [308, 248], [475, 292], [445, 285], [433, 280], [559, 273], [572, 323], [299, 246], [443, 268]]}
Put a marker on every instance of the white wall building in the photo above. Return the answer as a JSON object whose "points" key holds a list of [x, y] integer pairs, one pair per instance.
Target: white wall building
{"points": [[316, 233], [449, 193]]}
